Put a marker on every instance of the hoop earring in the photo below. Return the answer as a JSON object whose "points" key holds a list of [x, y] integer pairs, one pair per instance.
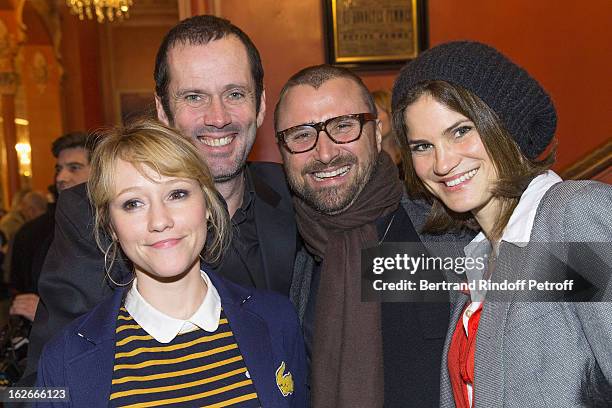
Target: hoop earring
{"points": [[107, 270]]}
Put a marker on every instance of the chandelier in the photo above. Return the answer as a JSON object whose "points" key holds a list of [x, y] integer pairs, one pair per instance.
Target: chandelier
{"points": [[102, 9]]}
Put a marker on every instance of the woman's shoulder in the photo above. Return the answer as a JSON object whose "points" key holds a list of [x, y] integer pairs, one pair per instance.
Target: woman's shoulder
{"points": [[267, 302], [578, 195], [258, 300], [580, 207], [575, 189], [261, 308], [273, 303]]}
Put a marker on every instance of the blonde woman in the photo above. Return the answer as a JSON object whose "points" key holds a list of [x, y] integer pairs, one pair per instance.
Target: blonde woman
{"points": [[176, 335], [473, 126]]}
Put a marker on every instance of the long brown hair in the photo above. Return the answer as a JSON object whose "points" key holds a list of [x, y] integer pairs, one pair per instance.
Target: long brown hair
{"points": [[515, 171]]}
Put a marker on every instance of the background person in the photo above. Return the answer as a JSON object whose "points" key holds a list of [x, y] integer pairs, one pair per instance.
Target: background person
{"points": [[14, 218], [32, 242], [178, 333], [27, 205], [71, 152], [472, 125]]}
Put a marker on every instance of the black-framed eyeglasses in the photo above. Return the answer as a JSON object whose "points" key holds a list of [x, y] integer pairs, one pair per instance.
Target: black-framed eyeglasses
{"points": [[341, 129]]}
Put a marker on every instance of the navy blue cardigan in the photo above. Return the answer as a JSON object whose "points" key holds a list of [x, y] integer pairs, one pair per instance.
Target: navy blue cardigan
{"points": [[265, 325]]}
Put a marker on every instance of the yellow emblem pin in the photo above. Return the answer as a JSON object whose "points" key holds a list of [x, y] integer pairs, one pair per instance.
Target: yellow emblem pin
{"points": [[284, 381]]}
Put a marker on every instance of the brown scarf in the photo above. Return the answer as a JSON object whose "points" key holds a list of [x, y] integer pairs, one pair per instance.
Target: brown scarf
{"points": [[347, 360]]}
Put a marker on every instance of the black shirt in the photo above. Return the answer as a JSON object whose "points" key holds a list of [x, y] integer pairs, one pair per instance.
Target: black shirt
{"points": [[242, 262]]}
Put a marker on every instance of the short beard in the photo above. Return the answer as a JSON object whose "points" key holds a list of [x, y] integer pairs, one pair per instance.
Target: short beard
{"points": [[325, 202], [224, 178], [328, 201]]}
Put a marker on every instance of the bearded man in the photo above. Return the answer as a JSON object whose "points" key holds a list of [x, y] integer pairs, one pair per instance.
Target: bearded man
{"points": [[348, 196]]}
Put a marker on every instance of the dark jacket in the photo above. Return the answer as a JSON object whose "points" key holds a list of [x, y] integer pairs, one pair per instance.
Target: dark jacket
{"points": [[264, 324], [72, 281], [29, 249]]}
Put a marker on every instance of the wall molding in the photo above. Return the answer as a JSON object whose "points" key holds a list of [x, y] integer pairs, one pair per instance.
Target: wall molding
{"points": [[592, 165]]}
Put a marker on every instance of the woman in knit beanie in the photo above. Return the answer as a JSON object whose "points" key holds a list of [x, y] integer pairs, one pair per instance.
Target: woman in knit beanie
{"points": [[473, 127]]}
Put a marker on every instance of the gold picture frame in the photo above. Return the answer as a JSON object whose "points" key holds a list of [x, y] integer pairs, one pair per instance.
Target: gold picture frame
{"points": [[374, 34]]}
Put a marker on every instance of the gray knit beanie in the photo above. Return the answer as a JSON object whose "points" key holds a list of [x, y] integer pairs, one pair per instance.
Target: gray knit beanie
{"points": [[522, 105]]}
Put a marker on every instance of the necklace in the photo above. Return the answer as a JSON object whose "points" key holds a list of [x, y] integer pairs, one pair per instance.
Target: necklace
{"points": [[386, 230]]}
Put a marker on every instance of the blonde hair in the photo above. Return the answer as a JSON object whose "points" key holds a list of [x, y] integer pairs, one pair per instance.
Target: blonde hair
{"points": [[147, 142], [382, 98]]}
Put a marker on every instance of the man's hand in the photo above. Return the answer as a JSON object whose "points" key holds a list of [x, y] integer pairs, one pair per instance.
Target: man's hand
{"points": [[25, 305]]}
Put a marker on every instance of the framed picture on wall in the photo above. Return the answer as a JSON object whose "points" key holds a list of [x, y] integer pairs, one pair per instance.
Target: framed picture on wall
{"points": [[374, 34]]}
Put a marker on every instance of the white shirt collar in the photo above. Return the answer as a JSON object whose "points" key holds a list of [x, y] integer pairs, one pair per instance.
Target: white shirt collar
{"points": [[518, 229], [164, 328]]}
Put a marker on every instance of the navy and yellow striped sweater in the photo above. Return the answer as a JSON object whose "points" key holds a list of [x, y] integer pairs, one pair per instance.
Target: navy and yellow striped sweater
{"points": [[196, 368]]}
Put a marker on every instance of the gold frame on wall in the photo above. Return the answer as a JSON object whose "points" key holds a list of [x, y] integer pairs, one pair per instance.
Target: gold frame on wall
{"points": [[374, 33]]}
